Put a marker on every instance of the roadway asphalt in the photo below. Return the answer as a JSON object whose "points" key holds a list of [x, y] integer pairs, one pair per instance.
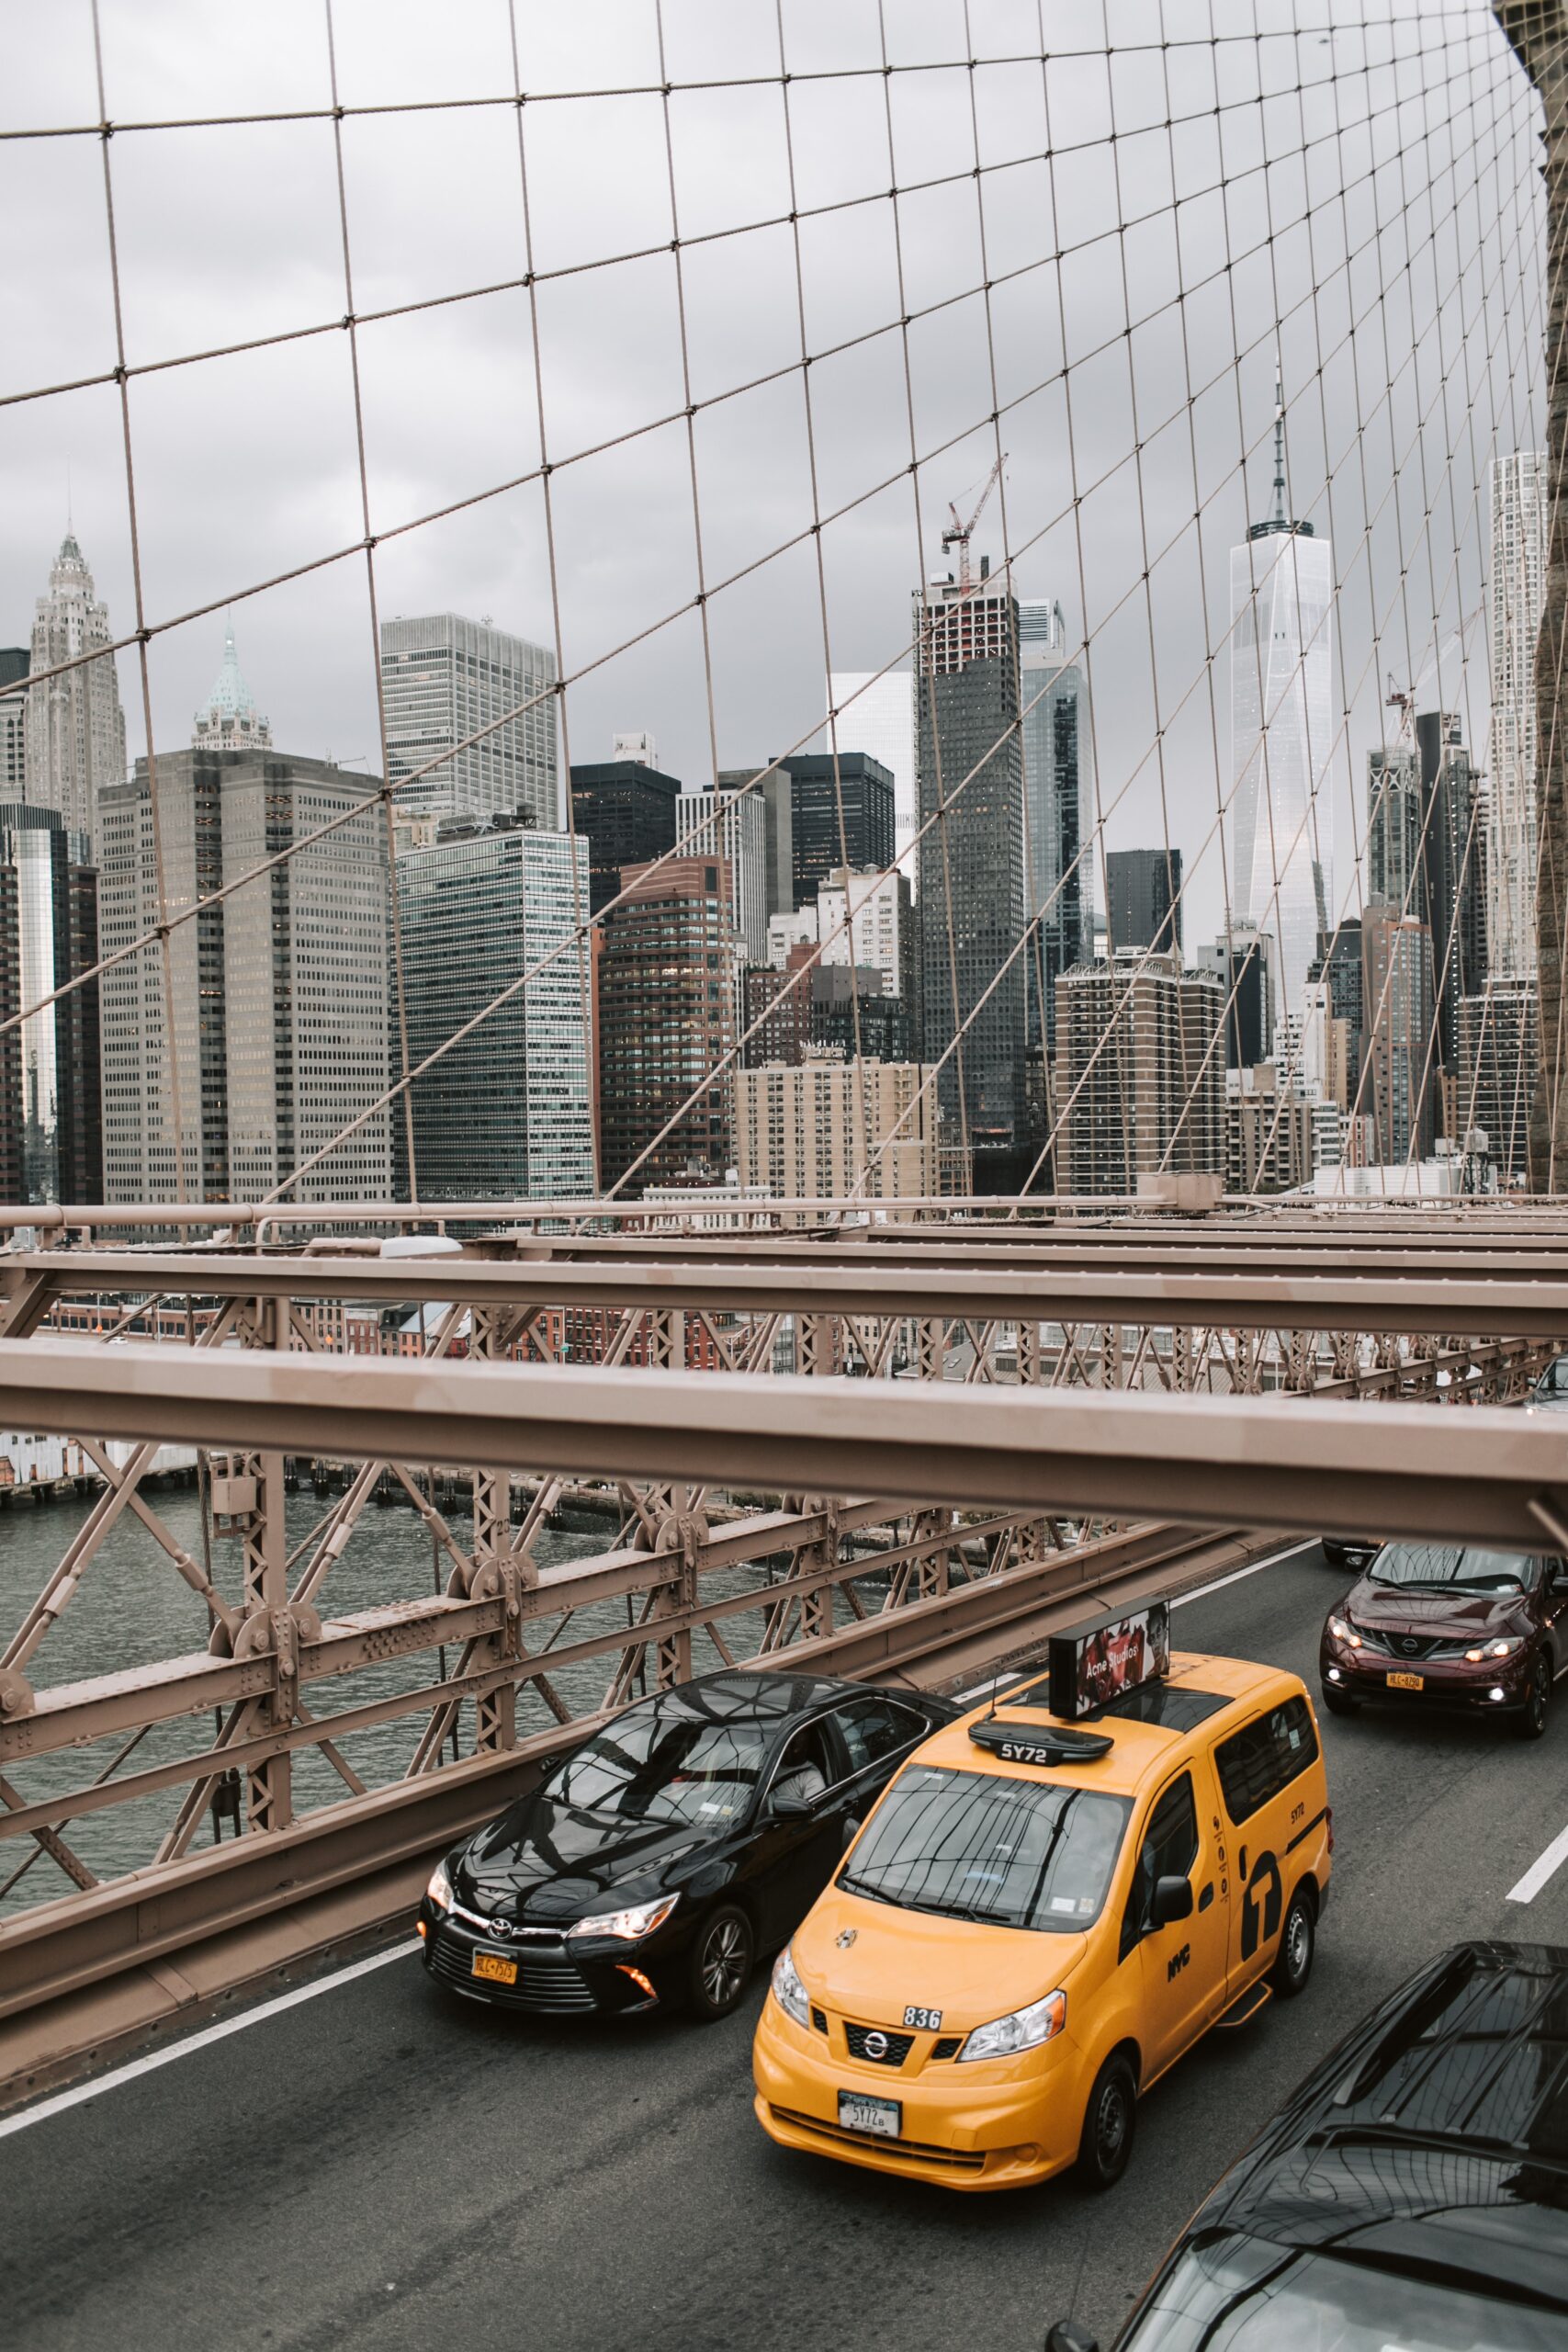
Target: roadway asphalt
{"points": [[387, 2167]]}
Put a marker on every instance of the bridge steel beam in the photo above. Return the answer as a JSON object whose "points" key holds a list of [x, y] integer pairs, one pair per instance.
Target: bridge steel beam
{"points": [[1486, 1475]]}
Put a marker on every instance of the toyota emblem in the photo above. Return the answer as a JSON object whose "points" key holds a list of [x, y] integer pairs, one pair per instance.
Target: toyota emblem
{"points": [[847, 1937], [876, 2045]]}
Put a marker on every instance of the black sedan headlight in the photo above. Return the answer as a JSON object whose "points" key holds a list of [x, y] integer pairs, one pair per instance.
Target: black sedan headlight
{"points": [[628, 1926]]}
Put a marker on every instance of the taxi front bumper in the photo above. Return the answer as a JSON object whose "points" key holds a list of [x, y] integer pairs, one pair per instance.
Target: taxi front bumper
{"points": [[993, 2123]]}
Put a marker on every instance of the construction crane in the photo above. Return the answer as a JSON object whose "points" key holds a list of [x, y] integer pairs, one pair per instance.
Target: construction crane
{"points": [[957, 534], [1402, 700]]}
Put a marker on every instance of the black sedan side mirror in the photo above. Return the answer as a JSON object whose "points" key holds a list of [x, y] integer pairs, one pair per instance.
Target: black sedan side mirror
{"points": [[1172, 1900], [1067, 2336], [789, 1805]]}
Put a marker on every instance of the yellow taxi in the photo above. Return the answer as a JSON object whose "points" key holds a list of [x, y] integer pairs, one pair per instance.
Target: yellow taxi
{"points": [[1044, 1911]]}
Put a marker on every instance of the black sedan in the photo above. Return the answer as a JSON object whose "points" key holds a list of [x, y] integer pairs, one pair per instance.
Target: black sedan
{"points": [[656, 1862], [1414, 2191]]}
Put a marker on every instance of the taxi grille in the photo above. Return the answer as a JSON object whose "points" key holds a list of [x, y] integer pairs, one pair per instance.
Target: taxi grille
{"points": [[545, 1982], [891, 2049], [948, 2047], [956, 2159]]}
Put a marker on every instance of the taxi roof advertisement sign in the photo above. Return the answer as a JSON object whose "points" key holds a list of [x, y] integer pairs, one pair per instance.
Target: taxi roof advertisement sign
{"points": [[1096, 1661]]}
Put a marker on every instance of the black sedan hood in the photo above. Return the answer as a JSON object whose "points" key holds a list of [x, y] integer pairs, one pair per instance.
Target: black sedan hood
{"points": [[546, 1862]]}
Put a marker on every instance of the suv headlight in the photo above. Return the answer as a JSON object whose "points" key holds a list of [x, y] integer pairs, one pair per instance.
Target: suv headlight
{"points": [[1343, 1630], [1024, 2029], [439, 1891], [1504, 1646], [788, 1991], [630, 1926]]}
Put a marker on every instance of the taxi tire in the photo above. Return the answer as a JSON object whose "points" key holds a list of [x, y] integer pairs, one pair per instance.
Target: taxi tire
{"points": [[723, 1952], [1109, 2123], [1298, 1946]]}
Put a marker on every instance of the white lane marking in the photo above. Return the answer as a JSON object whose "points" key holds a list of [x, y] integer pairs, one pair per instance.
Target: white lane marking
{"points": [[1236, 1575], [979, 1690], [127, 2073], [1540, 1871]]}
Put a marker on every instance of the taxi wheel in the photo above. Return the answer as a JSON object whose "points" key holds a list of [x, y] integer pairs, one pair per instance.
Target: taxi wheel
{"points": [[1298, 1943], [1108, 2123], [720, 1966], [1530, 1722]]}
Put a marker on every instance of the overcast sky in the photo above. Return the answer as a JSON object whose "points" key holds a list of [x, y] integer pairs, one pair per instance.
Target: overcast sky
{"points": [[1423, 170]]}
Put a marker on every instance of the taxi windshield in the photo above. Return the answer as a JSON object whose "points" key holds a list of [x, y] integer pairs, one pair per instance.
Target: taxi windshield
{"points": [[975, 1845]]}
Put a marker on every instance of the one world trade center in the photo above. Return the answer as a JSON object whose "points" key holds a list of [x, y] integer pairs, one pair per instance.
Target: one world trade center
{"points": [[1282, 730]]}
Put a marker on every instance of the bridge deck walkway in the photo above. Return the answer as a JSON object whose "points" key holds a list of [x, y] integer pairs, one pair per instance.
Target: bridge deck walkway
{"points": [[380, 2166]]}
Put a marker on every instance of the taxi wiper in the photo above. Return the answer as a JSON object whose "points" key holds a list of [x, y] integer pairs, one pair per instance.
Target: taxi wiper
{"points": [[872, 1893]]}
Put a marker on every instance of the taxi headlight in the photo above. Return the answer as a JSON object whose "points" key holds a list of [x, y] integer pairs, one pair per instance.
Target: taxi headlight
{"points": [[439, 1891], [1024, 2029], [1343, 1630], [788, 1990], [630, 1926]]}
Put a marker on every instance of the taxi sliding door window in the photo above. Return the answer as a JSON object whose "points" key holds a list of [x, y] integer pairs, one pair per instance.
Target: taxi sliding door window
{"points": [[1265, 1757], [1169, 1850]]}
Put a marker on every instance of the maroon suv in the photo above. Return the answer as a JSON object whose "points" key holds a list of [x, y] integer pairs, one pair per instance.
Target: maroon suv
{"points": [[1450, 1626]]}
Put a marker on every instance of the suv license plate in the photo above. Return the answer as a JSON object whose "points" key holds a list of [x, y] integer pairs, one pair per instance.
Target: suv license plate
{"points": [[1407, 1683], [882, 2117]]}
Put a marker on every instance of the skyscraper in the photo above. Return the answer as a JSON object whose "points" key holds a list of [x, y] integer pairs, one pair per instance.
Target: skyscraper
{"points": [[1394, 829], [665, 1019], [1400, 1089], [1281, 731], [1515, 589], [627, 810], [13, 660], [50, 1119], [733, 827], [841, 813], [1057, 793], [507, 1114], [972, 869], [1239, 961], [1140, 1073], [443, 680], [1453, 870], [76, 725], [280, 1014], [1143, 888], [229, 720], [877, 716]]}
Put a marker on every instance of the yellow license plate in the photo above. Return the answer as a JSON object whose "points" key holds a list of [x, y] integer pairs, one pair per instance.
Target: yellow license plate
{"points": [[497, 1971], [1407, 1683]]}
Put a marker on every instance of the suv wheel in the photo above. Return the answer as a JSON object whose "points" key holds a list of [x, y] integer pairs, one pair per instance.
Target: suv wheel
{"points": [[1337, 1703], [1108, 2123], [1298, 1942], [1530, 1722], [722, 1952]]}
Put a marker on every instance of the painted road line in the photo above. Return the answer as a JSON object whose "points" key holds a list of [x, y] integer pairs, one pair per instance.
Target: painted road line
{"points": [[149, 2065], [1018, 1674], [1540, 1871]]}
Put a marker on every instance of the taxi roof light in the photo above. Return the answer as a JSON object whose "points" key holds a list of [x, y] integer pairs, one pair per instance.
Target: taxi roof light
{"points": [[1051, 1744]]}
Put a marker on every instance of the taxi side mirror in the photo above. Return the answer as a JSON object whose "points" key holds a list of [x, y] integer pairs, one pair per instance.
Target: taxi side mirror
{"points": [[1067, 2336], [1172, 1900]]}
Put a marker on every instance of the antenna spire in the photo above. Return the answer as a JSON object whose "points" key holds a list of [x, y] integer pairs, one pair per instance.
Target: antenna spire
{"points": [[1279, 515]]}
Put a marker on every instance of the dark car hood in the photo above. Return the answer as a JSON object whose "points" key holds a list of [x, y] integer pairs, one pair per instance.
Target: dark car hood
{"points": [[544, 1861], [1388, 1608]]}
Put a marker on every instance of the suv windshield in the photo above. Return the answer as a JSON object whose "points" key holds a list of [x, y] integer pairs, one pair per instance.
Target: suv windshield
{"points": [[663, 1764], [968, 1846], [1242, 2295], [1435, 1567]]}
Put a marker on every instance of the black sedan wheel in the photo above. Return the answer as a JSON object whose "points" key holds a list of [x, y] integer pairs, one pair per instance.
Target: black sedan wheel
{"points": [[722, 1952], [1530, 1722]]}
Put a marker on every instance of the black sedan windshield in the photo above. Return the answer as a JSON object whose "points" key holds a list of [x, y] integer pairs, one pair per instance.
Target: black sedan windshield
{"points": [[1242, 2295], [1436, 1566], [664, 1764], [974, 1845]]}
